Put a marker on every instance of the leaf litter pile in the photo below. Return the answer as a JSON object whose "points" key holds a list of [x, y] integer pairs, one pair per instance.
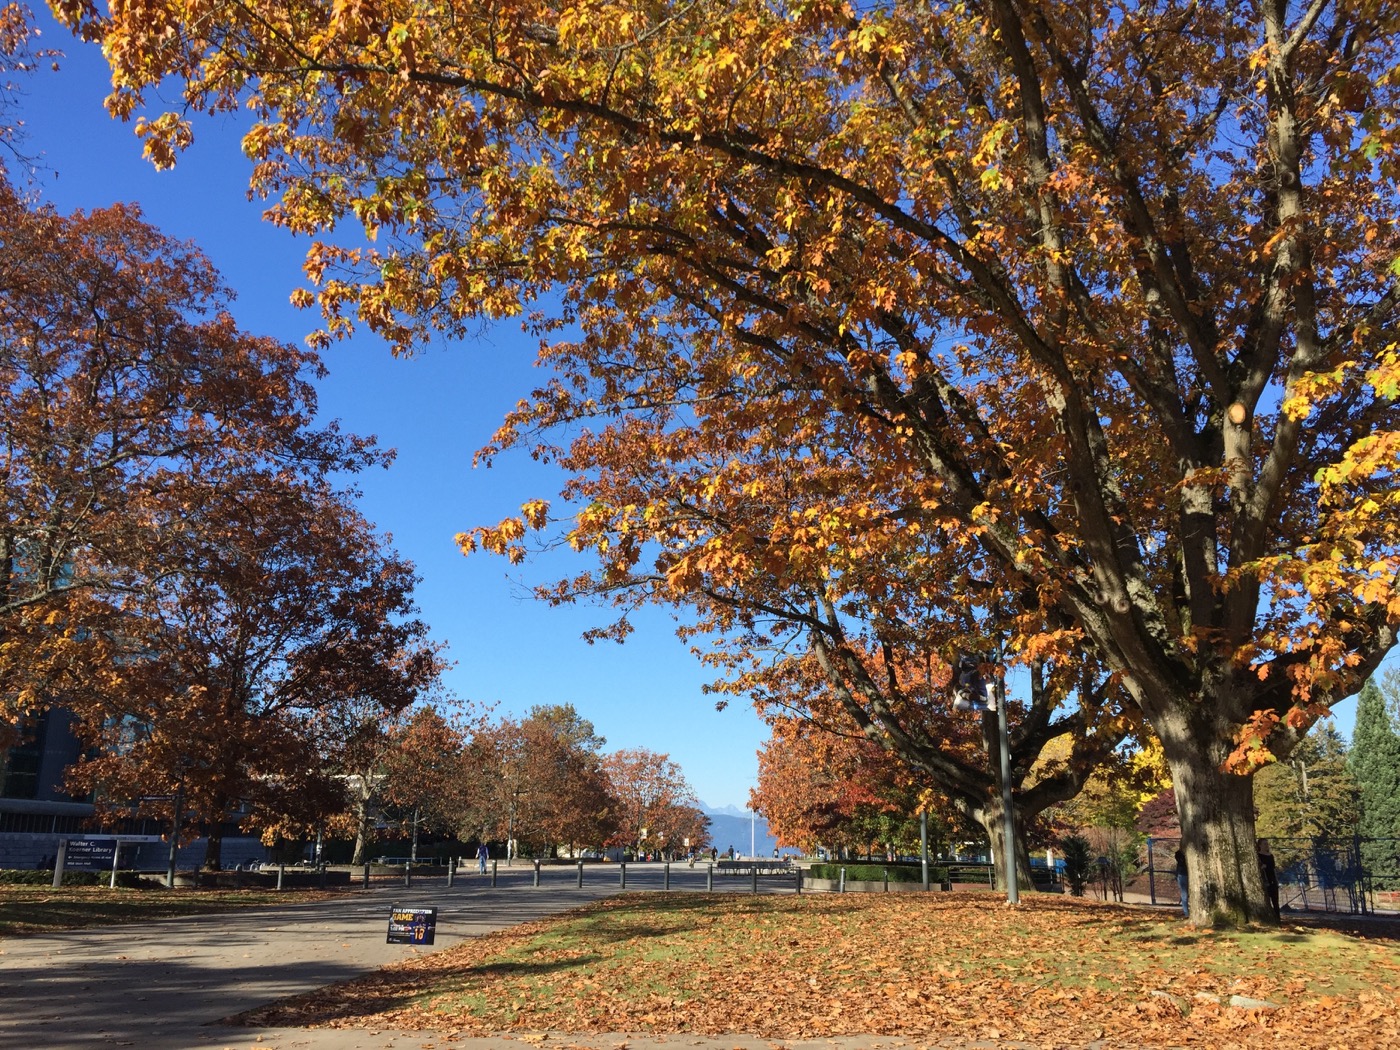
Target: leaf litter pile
{"points": [[1053, 972]]}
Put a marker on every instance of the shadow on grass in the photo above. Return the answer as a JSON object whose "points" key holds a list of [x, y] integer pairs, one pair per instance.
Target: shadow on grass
{"points": [[394, 989], [650, 916]]}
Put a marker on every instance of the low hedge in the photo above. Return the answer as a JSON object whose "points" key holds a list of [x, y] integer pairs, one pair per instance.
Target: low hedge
{"points": [[877, 872], [41, 877]]}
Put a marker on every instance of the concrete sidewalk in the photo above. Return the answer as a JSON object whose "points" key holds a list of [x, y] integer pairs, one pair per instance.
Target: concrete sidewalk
{"points": [[165, 985]]}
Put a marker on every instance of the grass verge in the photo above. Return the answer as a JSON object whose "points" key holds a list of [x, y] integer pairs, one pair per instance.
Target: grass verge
{"points": [[1053, 972], [40, 909]]}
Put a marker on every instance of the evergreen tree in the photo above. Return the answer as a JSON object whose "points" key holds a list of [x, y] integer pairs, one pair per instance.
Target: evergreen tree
{"points": [[1311, 794], [1375, 762]]}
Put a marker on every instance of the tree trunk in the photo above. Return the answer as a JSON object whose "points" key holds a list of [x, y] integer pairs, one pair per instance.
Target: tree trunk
{"points": [[361, 832], [993, 823], [413, 852], [1216, 810], [214, 849]]}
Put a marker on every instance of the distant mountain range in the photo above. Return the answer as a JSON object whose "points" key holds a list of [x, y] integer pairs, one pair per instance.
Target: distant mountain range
{"points": [[732, 826]]}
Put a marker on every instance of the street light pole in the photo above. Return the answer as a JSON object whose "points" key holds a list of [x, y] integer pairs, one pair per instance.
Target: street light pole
{"points": [[1013, 893]]}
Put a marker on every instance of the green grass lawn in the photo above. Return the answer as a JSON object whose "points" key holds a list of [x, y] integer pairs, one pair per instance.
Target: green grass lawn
{"points": [[1054, 972], [38, 909]]}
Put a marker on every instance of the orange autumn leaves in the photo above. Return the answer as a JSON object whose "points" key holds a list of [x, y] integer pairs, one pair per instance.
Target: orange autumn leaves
{"points": [[964, 281], [1054, 972]]}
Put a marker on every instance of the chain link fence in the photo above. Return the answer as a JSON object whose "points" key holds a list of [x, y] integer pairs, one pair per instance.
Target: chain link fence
{"points": [[1353, 876]]}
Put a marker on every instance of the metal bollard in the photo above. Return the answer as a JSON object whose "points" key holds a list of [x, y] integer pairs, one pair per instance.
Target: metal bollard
{"points": [[799, 881], [451, 870], [493, 873], [281, 871], [666, 876], [710, 878], [841, 882], [754, 875], [537, 871], [580, 874], [887, 879], [408, 873], [622, 874], [366, 882]]}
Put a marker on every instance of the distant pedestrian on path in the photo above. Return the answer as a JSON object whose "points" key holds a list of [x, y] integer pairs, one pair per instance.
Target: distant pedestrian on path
{"points": [[1181, 882], [481, 854], [1268, 871]]}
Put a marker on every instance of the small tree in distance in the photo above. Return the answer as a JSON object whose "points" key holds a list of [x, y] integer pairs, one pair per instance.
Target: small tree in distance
{"points": [[650, 792]]}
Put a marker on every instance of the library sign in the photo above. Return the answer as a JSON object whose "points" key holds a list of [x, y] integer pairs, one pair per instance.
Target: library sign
{"points": [[94, 854], [408, 925]]}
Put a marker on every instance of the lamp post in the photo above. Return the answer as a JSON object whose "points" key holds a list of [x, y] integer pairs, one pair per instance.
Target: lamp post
{"points": [[970, 694], [1013, 892]]}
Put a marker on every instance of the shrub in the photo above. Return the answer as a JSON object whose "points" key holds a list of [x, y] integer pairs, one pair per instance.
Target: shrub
{"points": [[41, 877], [1079, 859], [876, 872], [29, 877]]}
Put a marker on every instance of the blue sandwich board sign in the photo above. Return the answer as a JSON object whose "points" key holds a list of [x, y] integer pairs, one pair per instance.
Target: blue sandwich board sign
{"points": [[409, 925]]}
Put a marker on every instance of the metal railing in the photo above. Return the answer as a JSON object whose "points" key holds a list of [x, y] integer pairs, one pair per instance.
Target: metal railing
{"points": [[1341, 875]]}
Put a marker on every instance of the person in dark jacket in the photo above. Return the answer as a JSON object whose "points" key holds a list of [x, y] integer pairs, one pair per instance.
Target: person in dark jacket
{"points": [[1181, 882], [1268, 871]]}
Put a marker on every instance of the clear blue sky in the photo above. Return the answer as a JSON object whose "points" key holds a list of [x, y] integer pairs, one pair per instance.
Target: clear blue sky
{"points": [[436, 410]]}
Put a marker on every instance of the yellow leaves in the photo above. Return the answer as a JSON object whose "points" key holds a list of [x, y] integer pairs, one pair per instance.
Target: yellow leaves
{"points": [[354, 20], [1313, 387], [536, 513], [164, 138], [502, 540]]}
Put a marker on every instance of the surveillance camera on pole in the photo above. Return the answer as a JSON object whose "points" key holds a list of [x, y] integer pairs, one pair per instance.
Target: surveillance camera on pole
{"points": [[970, 689]]}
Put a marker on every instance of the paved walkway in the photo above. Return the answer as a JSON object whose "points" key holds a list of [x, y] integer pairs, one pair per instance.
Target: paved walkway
{"points": [[166, 984]]}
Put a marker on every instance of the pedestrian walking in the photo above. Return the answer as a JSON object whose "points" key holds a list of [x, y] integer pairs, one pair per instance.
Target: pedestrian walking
{"points": [[482, 854], [1268, 871], [1181, 882]]}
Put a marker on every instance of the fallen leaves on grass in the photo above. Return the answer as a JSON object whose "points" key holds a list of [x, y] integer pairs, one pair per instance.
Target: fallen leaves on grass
{"points": [[1054, 972]]}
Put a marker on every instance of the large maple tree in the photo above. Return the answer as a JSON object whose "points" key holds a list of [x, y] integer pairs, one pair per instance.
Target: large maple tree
{"points": [[1100, 294]]}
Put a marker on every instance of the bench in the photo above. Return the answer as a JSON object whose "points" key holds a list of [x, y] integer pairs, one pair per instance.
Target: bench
{"points": [[753, 867]]}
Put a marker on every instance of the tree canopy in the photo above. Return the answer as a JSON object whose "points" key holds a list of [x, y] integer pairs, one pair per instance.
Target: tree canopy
{"points": [[654, 805], [539, 781], [1094, 301]]}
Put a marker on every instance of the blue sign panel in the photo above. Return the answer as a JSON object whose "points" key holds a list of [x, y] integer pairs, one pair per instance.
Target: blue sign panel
{"points": [[412, 925]]}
